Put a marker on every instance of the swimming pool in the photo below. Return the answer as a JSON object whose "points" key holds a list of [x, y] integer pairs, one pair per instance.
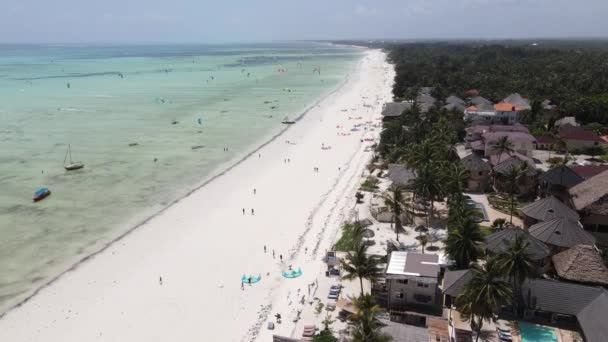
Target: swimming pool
{"points": [[536, 333]]}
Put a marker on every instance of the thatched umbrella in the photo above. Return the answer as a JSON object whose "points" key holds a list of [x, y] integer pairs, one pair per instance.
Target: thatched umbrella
{"points": [[368, 233], [421, 229]]}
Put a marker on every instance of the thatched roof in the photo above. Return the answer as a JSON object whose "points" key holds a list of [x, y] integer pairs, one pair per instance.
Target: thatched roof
{"points": [[474, 163], [480, 100], [393, 109], [561, 175], [400, 174], [500, 241], [549, 208], [513, 160], [581, 263], [591, 194], [561, 232], [455, 106]]}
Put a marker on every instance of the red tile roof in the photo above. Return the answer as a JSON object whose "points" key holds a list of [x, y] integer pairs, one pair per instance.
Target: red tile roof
{"points": [[578, 133], [505, 107], [588, 171]]}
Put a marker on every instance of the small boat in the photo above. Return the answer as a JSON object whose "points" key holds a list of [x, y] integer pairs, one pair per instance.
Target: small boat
{"points": [[197, 147], [286, 121], [41, 194], [72, 165]]}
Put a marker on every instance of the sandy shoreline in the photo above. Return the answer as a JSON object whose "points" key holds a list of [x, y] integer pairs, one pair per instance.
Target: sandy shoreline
{"points": [[203, 244]]}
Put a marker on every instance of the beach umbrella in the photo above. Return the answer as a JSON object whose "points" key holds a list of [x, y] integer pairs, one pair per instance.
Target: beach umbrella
{"points": [[368, 233]]}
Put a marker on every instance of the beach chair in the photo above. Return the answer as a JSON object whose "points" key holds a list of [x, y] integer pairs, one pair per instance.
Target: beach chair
{"points": [[309, 331], [504, 335]]}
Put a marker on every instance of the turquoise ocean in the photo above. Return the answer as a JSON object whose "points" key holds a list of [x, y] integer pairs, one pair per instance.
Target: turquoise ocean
{"points": [[150, 123]]}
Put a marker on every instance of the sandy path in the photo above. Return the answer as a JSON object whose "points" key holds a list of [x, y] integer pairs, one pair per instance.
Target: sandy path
{"points": [[202, 245]]}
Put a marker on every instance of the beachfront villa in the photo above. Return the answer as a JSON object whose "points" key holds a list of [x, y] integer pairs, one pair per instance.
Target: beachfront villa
{"points": [[393, 110], [411, 278], [547, 209], [500, 241], [562, 305], [479, 172], [590, 199]]}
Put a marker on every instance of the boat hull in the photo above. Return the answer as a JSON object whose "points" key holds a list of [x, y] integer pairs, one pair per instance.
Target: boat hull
{"points": [[42, 196], [74, 166]]}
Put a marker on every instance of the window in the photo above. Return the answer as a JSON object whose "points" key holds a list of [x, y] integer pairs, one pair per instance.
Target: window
{"points": [[402, 281], [400, 295], [425, 285]]}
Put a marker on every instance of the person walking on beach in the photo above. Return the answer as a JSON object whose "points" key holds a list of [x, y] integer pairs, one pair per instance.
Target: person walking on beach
{"points": [[242, 286], [243, 211], [273, 253], [252, 212], [254, 191], [160, 280], [281, 257], [264, 248]]}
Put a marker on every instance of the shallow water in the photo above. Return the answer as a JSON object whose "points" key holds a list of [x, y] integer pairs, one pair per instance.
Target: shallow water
{"points": [[101, 99]]}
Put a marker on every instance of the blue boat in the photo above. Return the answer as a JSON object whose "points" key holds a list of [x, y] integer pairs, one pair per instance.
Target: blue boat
{"points": [[41, 194], [250, 279], [292, 273]]}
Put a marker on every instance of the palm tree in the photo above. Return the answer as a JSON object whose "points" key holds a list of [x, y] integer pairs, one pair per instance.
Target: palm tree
{"points": [[501, 146], [455, 178], [428, 185], [359, 265], [423, 240], [367, 328], [514, 177], [463, 243], [516, 263], [397, 205], [483, 295]]}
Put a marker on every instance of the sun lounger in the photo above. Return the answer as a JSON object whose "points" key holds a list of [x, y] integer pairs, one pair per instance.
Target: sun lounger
{"points": [[504, 336]]}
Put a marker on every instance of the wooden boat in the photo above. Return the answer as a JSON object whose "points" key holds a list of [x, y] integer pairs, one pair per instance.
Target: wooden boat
{"points": [[286, 121], [41, 194], [71, 165]]}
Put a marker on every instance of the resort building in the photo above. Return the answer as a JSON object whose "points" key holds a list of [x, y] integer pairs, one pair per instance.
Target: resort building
{"points": [[557, 303], [590, 199], [504, 163], [547, 209], [523, 143], [518, 101], [479, 172], [500, 241], [581, 264], [588, 171], [454, 103], [579, 138], [393, 110], [545, 142], [561, 233], [412, 278], [557, 181], [400, 175]]}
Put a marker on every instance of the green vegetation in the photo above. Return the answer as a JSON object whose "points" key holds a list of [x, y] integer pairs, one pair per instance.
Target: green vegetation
{"points": [[483, 296], [397, 205], [463, 243], [516, 264], [575, 79], [352, 235], [358, 264], [370, 184], [366, 327]]}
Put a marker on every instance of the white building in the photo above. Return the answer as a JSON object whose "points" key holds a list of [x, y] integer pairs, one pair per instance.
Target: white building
{"points": [[411, 278]]}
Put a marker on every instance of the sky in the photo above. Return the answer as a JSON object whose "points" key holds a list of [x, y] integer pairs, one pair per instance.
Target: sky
{"points": [[204, 21]]}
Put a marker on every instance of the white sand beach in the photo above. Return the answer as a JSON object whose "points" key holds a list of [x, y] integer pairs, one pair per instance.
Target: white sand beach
{"points": [[204, 244]]}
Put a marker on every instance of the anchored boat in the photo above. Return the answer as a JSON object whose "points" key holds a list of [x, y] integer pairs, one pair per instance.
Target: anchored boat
{"points": [[71, 165]]}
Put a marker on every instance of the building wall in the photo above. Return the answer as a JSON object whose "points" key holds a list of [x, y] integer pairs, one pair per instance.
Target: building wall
{"points": [[580, 144], [478, 182], [409, 291]]}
